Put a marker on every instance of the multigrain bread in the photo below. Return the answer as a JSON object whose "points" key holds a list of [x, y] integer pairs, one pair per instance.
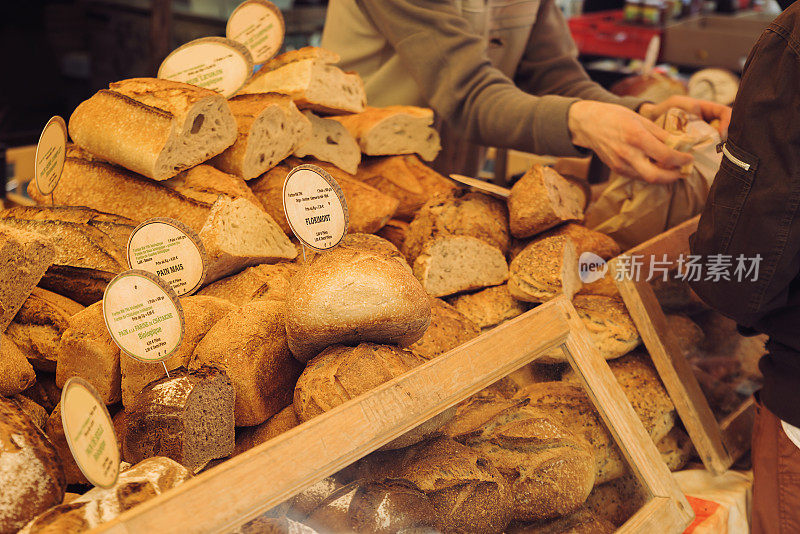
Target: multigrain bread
{"points": [[309, 76], [250, 345], [609, 324], [252, 436], [393, 177], [154, 127], [37, 328], [449, 329], [350, 295], [238, 234], [369, 208], [30, 471], [16, 373], [489, 307], [25, 256], [587, 240], [54, 429], [270, 128], [331, 142], [542, 199], [259, 282], [205, 184], [545, 269], [617, 500], [394, 130]]}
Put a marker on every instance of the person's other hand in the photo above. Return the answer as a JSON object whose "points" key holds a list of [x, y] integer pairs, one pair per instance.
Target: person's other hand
{"points": [[627, 142], [709, 111]]}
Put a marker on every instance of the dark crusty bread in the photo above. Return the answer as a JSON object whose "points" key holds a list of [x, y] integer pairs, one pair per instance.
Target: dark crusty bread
{"points": [[54, 429], [617, 500], [44, 391], [449, 329], [16, 373], [349, 295], [154, 127], [251, 436], [36, 412], [582, 521], [488, 307], [31, 476], [260, 282], [187, 417], [542, 199]]}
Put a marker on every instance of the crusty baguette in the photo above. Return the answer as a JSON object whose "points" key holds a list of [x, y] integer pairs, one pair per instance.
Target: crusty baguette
{"points": [[394, 130], [154, 127], [270, 128], [310, 77], [331, 142], [542, 199]]}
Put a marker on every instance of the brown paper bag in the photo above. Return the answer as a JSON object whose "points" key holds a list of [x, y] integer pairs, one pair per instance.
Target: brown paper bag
{"points": [[632, 211]]}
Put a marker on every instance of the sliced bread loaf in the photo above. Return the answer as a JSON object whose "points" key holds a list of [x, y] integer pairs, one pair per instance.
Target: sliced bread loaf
{"points": [[331, 142], [542, 199]]}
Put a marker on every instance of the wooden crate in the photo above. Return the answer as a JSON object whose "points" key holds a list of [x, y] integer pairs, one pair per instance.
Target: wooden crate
{"points": [[718, 444], [247, 485]]}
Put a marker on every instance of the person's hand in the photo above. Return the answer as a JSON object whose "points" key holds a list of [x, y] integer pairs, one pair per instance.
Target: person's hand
{"points": [[627, 142], [709, 111]]}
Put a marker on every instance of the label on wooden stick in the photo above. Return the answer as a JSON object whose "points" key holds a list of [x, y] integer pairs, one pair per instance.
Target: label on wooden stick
{"points": [[216, 63], [90, 432], [51, 152], [315, 207], [143, 316], [258, 25], [170, 250]]}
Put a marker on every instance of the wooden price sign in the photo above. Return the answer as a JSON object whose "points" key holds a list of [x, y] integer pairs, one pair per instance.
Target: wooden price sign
{"points": [[143, 316], [170, 250], [222, 65], [315, 207], [90, 433], [51, 152], [258, 25]]}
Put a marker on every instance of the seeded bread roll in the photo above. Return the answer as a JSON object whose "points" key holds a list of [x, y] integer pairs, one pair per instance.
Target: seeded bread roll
{"points": [[393, 177], [250, 345], [259, 282], [154, 127], [30, 472], [489, 307], [587, 240], [331, 142], [545, 269], [16, 374], [187, 417], [542, 199], [449, 329], [25, 256], [270, 128], [310, 77], [349, 295], [617, 500], [394, 130]]}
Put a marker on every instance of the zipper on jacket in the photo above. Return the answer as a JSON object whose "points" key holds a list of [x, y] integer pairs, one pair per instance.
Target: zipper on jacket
{"points": [[736, 161]]}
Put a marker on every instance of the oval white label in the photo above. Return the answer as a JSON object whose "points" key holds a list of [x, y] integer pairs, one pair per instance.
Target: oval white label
{"points": [[143, 316], [51, 152], [90, 432], [315, 207], [170, 250], [258, 25], [219, 64]]}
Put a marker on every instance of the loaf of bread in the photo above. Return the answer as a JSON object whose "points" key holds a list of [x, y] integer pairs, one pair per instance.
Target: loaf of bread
{"points": [[187, 417], [549, 470], [394, 232], [616, 501], [349, 295], [270, 128], [545, 269], [16, 373], [250, 345], [609, 325], [542, 199], [449, 329], [44, 391], [587, 240], [392, 176], [154, 127], [205, 184], [238, 234], [432, 182], [26, 255], [54, 429], [582, 521], [394, 130], [31, 476], [310, 77], [331, 142], [369, 208], [37, 328], [200, 314], [489, 307], [252, 436], [88, 351], [36, 412], [367, 242], [259, 282], [135, 485], [686, 332], [456, 263]]}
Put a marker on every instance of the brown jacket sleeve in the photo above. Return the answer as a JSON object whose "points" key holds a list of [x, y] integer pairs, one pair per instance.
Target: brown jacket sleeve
{"points": [[449, 64]]}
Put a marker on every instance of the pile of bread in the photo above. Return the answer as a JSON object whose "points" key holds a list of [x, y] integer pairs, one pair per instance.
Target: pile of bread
{"points": [[273, 340]]}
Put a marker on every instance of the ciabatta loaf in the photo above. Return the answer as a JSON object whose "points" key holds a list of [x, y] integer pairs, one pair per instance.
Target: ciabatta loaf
{"points": [[542, 199], [394, 130], [270, 128], [331, 142], [154, 127], [310, 77]]}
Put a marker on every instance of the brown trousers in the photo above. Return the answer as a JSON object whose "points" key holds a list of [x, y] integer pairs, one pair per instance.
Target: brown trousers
{"points": [[776, 470]]}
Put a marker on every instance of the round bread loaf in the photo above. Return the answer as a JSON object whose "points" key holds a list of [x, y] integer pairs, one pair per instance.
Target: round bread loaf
{"points": [[545, 269], [31, 476], [542, 199], [489, 307], [449, 328], [348, 296]]}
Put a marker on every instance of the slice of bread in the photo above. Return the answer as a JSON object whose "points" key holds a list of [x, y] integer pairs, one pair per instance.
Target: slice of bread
{"points": [[542, 199], [331, 142]]}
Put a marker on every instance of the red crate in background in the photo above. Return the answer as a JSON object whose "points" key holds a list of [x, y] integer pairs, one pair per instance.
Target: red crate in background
{"points": [[606, 34]]}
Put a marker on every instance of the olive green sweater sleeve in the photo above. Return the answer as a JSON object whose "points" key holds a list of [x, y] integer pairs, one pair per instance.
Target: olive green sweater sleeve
{"points": [[448, 62]]}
